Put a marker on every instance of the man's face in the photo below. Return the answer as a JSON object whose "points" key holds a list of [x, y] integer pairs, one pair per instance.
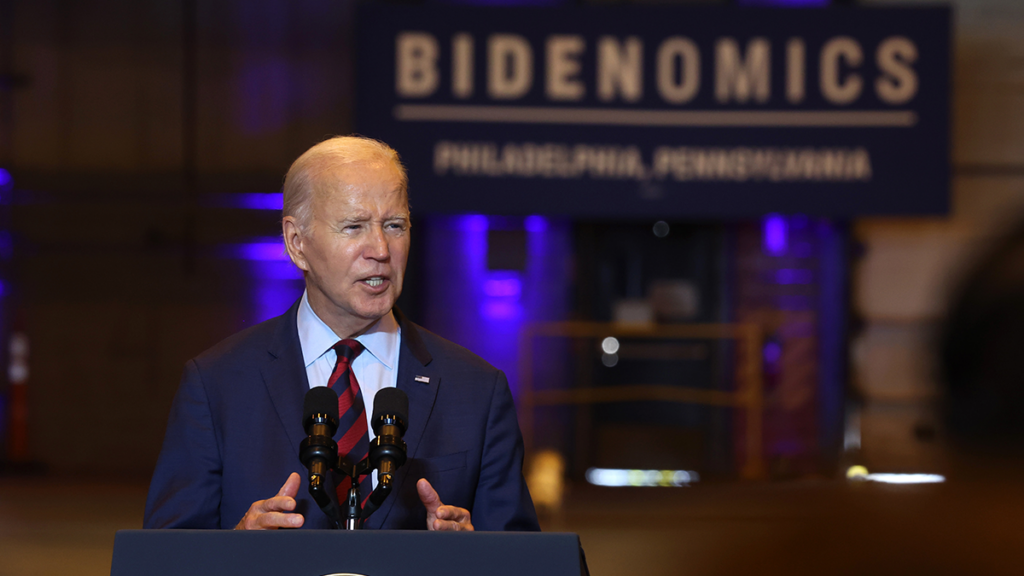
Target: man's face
{"points": [[355, 249]]}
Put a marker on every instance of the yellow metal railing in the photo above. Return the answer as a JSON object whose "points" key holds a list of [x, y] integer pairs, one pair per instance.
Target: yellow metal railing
{"points": [[749, 395]]}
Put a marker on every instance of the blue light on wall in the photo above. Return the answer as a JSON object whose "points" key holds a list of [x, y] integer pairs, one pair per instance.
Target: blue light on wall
{"points": [[246, 201], [501, 291], [276, 282], [268, 249], [261, 93], [793, 276], [772, 353], [6, 251], [272, 299], [261, 201], [805, 268], [265, 250], [484, 309], [508, 287], [535, 224], [6, 244], [275, 270], [775, 235], [474, 223]]}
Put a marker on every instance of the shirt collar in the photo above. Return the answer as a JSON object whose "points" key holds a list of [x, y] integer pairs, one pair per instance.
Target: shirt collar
{"points": [[316, 338]]}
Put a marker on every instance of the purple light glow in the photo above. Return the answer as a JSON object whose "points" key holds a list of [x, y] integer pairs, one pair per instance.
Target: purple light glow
{"points": [[483, 309], [258, 251], [503, 287], [473, 223], [246, 201], [6, 245], [260, 201], [793, 276], [775, 235], [535, 224], [261, 94], [772, 352], [276, 270], [273, 298], [5, 179], [500, 310], [803, 250]]}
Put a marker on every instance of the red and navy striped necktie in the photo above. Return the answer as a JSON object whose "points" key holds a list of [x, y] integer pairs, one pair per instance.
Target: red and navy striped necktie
{"points": [[354, 443]]}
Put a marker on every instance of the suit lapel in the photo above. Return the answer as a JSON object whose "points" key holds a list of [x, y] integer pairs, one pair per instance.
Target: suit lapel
{"points": [[413, 361], [284, 375]]}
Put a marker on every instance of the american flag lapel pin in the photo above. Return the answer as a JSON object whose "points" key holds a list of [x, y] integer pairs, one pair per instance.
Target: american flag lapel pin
{"points": [[423, 379]]}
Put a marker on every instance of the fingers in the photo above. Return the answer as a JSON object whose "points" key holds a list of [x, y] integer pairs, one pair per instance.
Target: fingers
{"points": [[258, 519], [277, 504], [274, 520], [440, 516], [431, 501], [273, 513], [270, 514], [452, 518], [290, 487]]}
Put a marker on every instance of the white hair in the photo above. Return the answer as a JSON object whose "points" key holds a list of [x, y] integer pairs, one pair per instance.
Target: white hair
{"points": [[304, 177]]}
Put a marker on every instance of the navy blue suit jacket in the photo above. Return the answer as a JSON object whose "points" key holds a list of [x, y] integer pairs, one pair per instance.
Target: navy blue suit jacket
{"points": [[236, 423]]}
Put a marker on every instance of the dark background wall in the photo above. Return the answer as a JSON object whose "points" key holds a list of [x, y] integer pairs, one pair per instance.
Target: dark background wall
{"points": [[121, 120], [118, 119]]}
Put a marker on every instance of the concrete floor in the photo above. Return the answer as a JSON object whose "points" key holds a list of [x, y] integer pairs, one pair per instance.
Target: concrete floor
{"points": [[52, 526]]}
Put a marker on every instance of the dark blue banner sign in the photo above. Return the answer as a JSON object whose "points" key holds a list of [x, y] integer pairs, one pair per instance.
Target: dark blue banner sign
{"points": [[667, 112]]}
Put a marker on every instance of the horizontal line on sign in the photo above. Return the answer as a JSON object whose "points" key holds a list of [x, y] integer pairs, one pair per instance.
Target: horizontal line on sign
{"points": [[671, 118]]}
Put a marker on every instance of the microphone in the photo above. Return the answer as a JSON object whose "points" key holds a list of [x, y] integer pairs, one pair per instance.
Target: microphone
{"points": [[390, 417], [387, 450], [318, 451]]}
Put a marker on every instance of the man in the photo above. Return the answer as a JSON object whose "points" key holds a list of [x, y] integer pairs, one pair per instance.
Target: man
{"points": [[236, 422]]}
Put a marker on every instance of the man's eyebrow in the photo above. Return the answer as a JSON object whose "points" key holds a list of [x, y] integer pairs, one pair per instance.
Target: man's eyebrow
{"points": [[357, 218]]}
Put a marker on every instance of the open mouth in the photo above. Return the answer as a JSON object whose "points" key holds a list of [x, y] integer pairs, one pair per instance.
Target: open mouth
{"points": [[374, 281]]}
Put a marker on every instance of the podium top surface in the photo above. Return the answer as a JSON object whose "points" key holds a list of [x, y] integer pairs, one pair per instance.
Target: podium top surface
{"points": [[337, 552]]}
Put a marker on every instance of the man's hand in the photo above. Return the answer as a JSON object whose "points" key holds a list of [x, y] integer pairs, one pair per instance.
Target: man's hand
{"points": [[439, 516], [271, 514]]}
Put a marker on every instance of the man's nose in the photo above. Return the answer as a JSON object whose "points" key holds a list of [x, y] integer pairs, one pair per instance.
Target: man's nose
{"points": [[377, 244]]}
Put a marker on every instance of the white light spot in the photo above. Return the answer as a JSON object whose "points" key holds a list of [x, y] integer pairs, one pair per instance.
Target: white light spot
{"points": [[616, 477], [17, 372], [610, 345], [906, 478]]}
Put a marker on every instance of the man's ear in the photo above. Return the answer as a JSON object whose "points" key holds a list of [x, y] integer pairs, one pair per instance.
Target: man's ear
{"points": [[293, 242]]}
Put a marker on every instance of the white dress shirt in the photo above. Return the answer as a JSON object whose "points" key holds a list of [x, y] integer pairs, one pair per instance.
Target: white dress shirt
{"points": [[375, 368]]}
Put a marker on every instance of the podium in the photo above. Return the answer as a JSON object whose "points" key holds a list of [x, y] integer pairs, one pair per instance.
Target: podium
{"points": [[339, 552]]}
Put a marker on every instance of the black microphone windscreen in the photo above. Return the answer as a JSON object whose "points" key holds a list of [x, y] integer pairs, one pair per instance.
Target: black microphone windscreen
{"points": [[390, 401], [320, 400]]}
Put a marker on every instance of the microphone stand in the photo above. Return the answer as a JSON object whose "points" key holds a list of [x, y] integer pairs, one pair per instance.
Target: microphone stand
{"points": [[353, 516], [387, 453]]}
